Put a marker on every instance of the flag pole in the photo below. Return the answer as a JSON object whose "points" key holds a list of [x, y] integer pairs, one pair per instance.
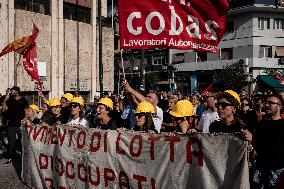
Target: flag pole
{"points": [[16, 71], [100, 48], [122, 64]]}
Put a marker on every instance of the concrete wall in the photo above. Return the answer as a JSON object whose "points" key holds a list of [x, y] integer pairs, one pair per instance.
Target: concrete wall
{"points": [[23, 27], [61, 44]]}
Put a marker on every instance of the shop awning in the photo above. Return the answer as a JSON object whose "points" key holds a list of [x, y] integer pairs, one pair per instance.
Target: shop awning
{"points": [[272, 82]]}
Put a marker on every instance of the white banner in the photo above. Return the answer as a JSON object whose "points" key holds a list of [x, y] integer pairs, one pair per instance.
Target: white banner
{"points": [[66, 157]]}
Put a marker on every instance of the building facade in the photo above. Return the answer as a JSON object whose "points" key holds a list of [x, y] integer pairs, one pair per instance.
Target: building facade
{"points": [[67, 47], [255, 35]]}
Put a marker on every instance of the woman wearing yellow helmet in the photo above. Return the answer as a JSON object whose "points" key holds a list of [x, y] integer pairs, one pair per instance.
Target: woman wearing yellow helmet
{"points": [[53, 115], [31, 115], [144, 117], [77, 115], [183, 116], [104, 118], [228, 104]]}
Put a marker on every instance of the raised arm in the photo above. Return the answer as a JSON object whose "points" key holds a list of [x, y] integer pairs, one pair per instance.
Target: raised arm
{"points": [[135, 94]]}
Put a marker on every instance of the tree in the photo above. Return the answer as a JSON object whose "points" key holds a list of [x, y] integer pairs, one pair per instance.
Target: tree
{"points": [[231, 77]]}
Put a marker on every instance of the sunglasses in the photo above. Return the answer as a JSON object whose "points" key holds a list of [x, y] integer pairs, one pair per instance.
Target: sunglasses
{"points": [[244, 104], [74, 105], [223, 105], [140, 115]]}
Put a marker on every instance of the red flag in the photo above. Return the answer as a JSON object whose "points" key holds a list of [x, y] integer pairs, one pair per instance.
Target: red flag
{"points": [[30, 64], [176, 24], [21, 45], [279, 77], [205, 91]]}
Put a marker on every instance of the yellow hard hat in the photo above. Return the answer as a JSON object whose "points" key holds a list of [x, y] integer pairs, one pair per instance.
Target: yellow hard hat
{"points": [[68, 96], [78, 100], [34, 107], [233, 94], [145, 107], [54, 102], [183, 108], [107, 102]]}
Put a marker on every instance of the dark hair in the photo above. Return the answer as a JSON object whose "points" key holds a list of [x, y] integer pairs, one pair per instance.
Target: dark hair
{"points": [[280, 98], [16, 88], [230, 98], [236, 104], [148, 125]]}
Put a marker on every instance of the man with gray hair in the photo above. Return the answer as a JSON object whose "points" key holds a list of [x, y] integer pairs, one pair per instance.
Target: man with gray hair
{"points": [[150, 97]]}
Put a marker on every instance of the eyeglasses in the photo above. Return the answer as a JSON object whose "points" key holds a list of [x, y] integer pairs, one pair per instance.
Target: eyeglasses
{"points": [[139, 115], [210, 96], [74, 105], [270, 103], [244, 104], [223, 105]]}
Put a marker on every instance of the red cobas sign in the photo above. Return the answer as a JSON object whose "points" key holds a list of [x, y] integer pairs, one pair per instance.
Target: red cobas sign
{"points": [[177, 24]]}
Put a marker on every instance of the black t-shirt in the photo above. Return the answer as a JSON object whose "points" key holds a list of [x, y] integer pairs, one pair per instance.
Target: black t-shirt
{"points": [[16, 111], [50, 119], [65, 114], [36, 121], [221, 127], [270, 143], [250, 118], [163, 104], [111, 125], [4, 114]]}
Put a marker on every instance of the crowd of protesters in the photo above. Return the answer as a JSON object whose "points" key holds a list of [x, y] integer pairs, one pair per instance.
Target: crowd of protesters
{"points": [[257, 118]]}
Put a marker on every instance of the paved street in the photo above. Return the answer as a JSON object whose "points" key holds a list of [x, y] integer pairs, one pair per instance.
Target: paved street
{"points": [[10, 175]]}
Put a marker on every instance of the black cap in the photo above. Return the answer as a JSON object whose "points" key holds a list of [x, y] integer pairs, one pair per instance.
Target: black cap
{"points": [[16, 88]]}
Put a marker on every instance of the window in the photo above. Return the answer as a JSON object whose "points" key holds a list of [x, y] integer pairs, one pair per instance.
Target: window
{"points": [[201, 56], [76, 12], [159, 60], [38, 6], [278, 24], [279, 52], [178, 58], [263, 23], [265, 51], [230, 27], [227, 54]]}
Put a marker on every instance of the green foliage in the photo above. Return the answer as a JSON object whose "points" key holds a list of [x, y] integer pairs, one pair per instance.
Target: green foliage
{"points": [[232, 77]]}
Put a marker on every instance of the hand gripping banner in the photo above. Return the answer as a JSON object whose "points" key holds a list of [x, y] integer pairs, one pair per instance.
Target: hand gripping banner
{"points": [[66, 157], [176, 24]]}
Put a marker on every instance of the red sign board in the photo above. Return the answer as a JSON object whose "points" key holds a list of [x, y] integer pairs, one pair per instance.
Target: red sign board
{"points": [[176, 24]]}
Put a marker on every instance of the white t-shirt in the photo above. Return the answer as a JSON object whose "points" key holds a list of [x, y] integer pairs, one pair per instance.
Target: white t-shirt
{"points": [[207, 117], [158, 119], [79, 121]]}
